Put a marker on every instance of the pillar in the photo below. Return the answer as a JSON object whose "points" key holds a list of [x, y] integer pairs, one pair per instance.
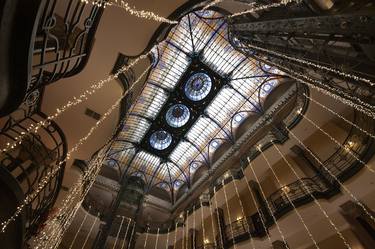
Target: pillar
{"points": [[262, 206], [219, 213], [192, 239]]}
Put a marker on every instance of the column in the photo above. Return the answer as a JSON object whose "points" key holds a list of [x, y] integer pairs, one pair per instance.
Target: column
{"points": [[192, 239], [219, 213], [261, 201]]}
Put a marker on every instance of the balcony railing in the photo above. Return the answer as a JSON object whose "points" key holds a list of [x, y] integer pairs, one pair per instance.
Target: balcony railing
{"points": [[63, 39], [296, 191], [341, 164], [32, 160], [49, 40]]}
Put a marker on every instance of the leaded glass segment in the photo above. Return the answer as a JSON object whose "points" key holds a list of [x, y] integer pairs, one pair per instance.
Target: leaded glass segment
{"points": [[199, 90], [160, 140], [198, 86], [177, 115]]}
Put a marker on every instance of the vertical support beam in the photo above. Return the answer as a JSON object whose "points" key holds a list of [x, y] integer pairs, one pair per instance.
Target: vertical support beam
{"points": [[109, 218], [361, 225], [192, 243], [221, 225], [133, 239], [261, 201]]}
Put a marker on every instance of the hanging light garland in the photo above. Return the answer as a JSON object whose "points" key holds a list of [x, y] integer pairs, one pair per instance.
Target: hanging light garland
{"points": [[246, 223], [325, 89], [89, 233], [126, 233], [149, 15], [366, 107], [46, 179], [76, 192], [34, 128], [55, 227], [268, 205], [344, 147], [261, 214], [315, 65], [339, 116], [289, 199], [212, 3], [265, 7], [345, 188], [309, 191]]}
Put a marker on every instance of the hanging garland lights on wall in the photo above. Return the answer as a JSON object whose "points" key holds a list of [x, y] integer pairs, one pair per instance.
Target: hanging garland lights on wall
{"points": [[45, 180], [149, 15], [140, 13], [265, 7], [73, 200], [61, 221], [98, 85], [76, 100], [314, 65], [318, 85]]}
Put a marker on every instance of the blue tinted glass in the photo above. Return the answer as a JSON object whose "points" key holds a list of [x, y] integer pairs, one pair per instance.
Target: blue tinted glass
{"points": [[177, 115], [160, 140], [198, 86]]}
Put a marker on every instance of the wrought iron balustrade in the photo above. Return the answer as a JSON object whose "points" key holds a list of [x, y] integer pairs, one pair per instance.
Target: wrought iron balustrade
{"points": [[46, 40], [342, 42], [63, 39], [239, 228], [32, 160], [342, 164], [296, 191]]}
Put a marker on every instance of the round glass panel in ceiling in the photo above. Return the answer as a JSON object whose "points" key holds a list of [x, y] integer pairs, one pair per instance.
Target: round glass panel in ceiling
{"points": [[160, 140], [198, 86], [177, 115]]}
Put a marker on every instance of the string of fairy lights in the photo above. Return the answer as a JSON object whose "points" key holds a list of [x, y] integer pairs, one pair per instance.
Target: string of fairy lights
{"points": [[76, 100], [61, 221], [258, 8], [45, 180], [318, 85], [149, 15], [314, 65], [88, 178], [34, 128]]}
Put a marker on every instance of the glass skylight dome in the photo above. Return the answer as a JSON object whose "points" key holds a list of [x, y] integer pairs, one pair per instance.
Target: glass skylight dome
{"points": [[177, 115], [160, 140], [240, 87], [198, 86]]}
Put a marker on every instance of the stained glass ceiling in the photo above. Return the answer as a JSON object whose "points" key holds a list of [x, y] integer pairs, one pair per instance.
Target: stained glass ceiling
{"points": [[198, 92]]}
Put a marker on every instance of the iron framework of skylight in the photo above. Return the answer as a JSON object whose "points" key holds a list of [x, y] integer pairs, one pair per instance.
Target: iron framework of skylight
{"points": [[203, 35]]}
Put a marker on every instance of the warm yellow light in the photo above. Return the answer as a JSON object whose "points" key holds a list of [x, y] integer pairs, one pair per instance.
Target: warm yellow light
{"points": [[285, 189], [206, 241]]}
